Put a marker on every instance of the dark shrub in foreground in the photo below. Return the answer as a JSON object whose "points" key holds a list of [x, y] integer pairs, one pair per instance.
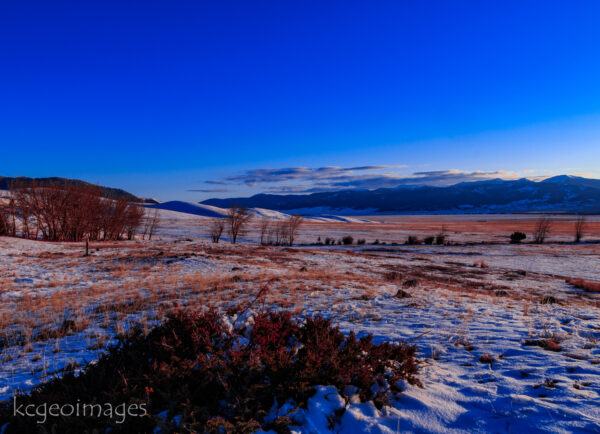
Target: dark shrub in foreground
{"points": [[216, 380], [347, 240]]}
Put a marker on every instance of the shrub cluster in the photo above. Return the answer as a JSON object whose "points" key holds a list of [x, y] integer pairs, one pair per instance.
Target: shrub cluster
{"points": [[327, 242], [211, 378], [438, 239]]}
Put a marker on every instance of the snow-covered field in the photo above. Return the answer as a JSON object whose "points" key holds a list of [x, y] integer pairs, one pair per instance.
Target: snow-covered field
{"points": [[478, 328]]}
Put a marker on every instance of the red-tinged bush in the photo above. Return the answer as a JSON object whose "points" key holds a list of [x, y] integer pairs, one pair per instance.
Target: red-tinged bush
{"points": [[217, 380]]}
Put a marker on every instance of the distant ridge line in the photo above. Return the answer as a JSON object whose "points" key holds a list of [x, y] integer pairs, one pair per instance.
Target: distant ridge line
{"points": [[561, 193], [109, 192]]}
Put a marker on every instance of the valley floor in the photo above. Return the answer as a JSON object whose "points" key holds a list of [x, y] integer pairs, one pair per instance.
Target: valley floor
{"points": [[507, 345]]}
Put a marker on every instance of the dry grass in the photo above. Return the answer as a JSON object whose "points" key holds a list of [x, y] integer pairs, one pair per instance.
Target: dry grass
{"points": [[586, 285], [131, 284]]}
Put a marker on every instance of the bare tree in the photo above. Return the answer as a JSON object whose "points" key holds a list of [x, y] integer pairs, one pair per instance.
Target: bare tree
{"points": [[153, 223], [579, 228], [12, 210], [293, 224], [264, 231], [133, 219], [3, 221], [216, 228], [237, 217], [542, 229], [278, 233]]}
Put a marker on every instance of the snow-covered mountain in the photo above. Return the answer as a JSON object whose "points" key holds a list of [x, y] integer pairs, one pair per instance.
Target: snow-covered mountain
{"points": [[561, 193]]}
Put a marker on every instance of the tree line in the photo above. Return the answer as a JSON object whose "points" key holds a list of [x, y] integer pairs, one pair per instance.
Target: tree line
{"points": [[70, 212]]}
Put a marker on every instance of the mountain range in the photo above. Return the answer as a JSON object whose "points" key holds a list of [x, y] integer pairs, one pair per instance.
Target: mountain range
{"points": [[563, 193]]}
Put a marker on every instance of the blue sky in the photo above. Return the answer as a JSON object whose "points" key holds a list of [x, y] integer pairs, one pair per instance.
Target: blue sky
{"points": [[160, 97]]}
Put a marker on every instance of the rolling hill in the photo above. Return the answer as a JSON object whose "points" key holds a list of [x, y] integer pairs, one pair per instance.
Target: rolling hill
{"points": [[112, 193]]}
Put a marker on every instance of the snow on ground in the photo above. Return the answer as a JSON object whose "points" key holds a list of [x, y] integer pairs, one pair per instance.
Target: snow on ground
{"points": [[197, 209], [210, 211], [456, 313], [549, 259]]}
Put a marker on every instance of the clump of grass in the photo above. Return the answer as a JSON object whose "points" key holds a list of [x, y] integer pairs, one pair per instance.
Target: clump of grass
{"points": [[486, 358], [586, 285], [392, 276], [549, 344]]}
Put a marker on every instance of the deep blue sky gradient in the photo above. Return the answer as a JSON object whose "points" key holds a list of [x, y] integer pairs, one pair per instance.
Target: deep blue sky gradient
{"points": [[158, 97]]}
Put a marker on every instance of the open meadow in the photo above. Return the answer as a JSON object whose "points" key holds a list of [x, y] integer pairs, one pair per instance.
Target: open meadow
{"points": [[508, 335]]}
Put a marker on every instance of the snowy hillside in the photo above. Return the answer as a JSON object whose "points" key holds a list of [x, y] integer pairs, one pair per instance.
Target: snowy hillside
{"points": [[208, 211]]}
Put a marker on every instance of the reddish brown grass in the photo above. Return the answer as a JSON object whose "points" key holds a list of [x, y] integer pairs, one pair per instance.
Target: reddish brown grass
{"points": [[586, 285]]}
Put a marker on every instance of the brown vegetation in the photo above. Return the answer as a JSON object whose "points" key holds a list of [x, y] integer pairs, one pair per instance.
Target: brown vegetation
{"points": [[586, 285], [194, 361], [70, 212], [237, 218], [216, 228], [542, 229], [151, 220], [579, 228], [279, 233]]}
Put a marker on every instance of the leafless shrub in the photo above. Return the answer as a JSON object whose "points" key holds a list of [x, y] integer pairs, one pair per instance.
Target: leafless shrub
{"points": [[216, 228], [579, 228], [542, 229], [264, 231], [237, 218], [440, 238], [292, 224], [282, 232], [151, 220], [278, 233]]}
